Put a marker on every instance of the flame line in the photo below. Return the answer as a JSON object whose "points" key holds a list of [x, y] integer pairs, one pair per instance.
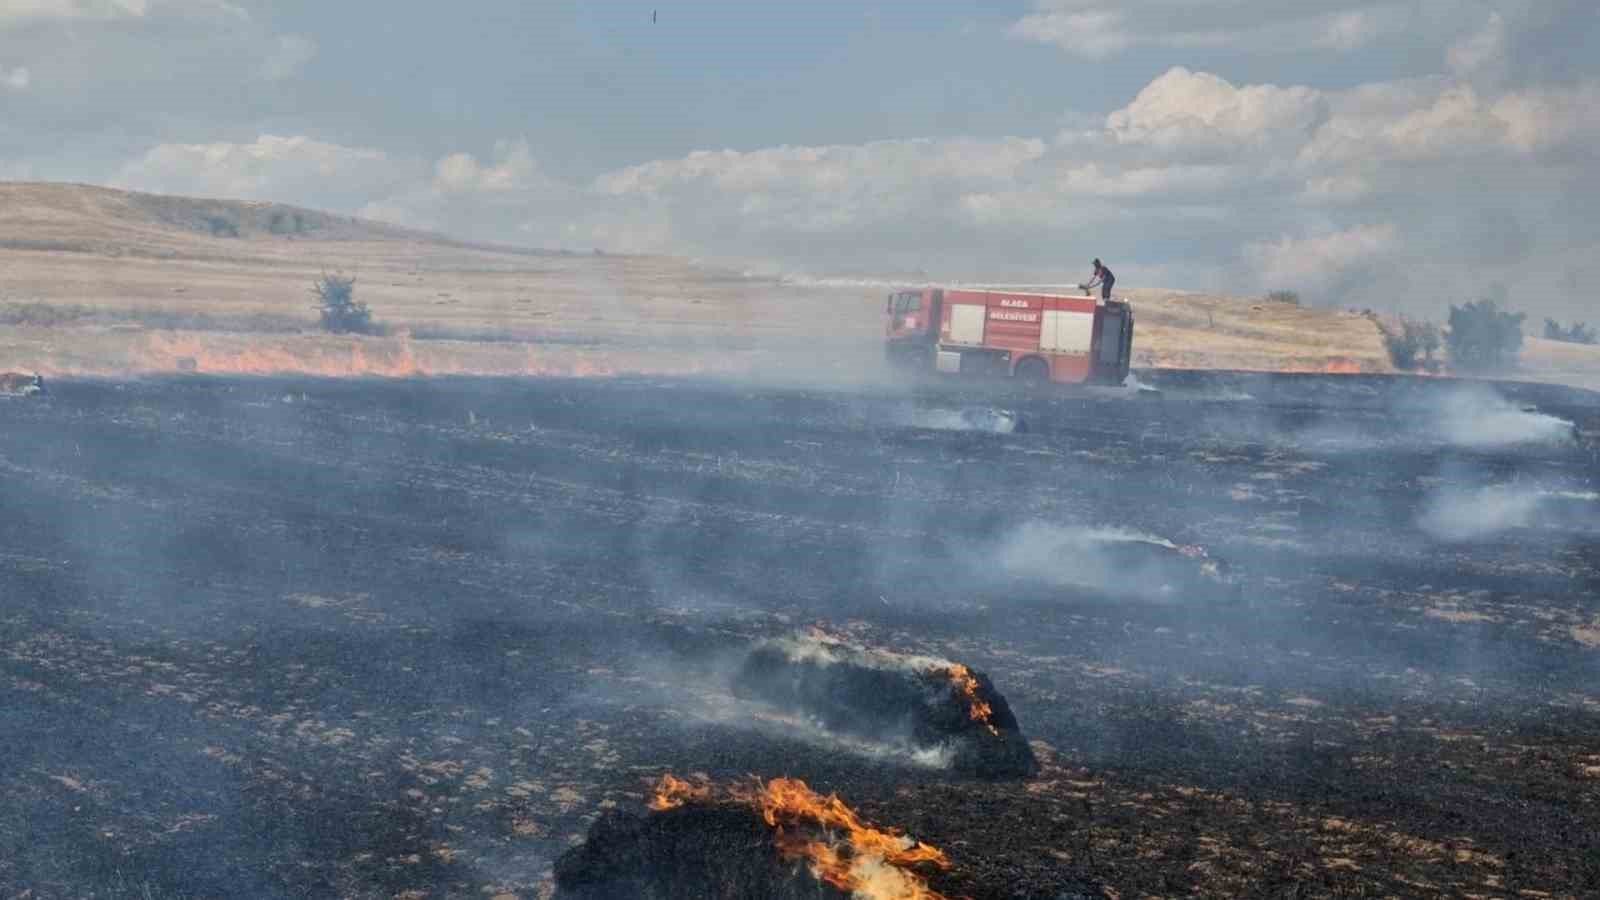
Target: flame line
{"points": [[850, 854]]}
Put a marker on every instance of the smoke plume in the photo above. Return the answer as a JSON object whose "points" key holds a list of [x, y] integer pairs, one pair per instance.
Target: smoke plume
{"points": [[1481, 418], [997, 421], [1459, 515], [1116, 561]]}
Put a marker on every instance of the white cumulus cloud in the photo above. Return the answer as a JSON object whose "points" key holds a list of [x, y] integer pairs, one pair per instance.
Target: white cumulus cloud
{"points": [[17, 13], [269, 168], [1192, 110], [1400, 194], [1096, 29], [14, 12]]}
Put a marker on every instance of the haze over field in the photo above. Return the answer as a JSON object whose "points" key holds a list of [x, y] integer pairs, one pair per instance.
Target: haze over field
{"points": [[717, 567], [103, 282], [1399, 154]]}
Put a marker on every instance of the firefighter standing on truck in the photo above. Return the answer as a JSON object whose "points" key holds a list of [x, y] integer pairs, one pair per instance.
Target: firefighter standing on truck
{"points": [[1103, 278]]}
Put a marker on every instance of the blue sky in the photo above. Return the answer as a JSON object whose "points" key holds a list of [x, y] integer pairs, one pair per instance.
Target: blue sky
{"points": [[1395, 153]]}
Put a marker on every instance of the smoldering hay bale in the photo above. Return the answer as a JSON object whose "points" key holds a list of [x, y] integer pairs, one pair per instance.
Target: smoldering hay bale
{"points": [[937, 708], [776, 839], [684, 854]]}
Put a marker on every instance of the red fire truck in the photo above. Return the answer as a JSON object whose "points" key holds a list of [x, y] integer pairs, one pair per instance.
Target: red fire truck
{"points": [[1034, 337]]}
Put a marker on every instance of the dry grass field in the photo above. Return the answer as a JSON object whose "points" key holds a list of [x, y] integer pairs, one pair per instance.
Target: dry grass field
{"points": [[155, 284]]}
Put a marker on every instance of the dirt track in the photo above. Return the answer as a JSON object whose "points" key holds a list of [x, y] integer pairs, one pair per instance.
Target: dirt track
{"points": [[358, 638]]}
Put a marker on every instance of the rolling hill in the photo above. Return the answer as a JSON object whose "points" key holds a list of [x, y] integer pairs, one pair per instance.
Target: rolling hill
{"points": [[101, 281]]}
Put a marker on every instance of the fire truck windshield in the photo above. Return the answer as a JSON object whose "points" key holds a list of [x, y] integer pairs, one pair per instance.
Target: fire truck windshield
{"points": [[906, 302]]}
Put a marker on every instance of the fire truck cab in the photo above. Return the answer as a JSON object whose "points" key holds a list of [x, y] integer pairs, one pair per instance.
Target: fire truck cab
{"points": [[1034, 337]]}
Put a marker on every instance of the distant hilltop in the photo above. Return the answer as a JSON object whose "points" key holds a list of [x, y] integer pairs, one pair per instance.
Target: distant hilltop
{"points": [[85, 218]]}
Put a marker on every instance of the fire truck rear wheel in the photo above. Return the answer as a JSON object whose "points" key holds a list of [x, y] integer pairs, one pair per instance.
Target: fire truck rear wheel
{"points": [[1033, 371]]}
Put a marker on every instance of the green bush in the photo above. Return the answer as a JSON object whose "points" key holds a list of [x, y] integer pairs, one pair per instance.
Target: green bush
{"points": [[281, 222], [1290, 297], [1578, 333], [1483, 337], [221, 226], [341, 312], [1413, 346]]}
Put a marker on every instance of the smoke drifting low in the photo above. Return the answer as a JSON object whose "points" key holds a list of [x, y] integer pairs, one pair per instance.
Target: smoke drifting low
{"points": [[1482, 418], [977, 418], [1115, 561], [1459, 515]]}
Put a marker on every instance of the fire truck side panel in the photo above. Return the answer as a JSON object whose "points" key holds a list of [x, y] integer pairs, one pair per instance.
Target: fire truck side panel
{"points": [[1066, 331], [993, 332], [965, 323], [1007, 333], [1069, 368]]}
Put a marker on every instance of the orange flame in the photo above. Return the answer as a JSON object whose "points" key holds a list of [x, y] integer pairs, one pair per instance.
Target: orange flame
{"points": [[967, 684], [673, 792], [842, 850]]}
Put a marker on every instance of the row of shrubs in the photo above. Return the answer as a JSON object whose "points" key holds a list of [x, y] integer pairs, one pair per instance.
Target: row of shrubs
{"points": [[1481, 338], [1576, 333]]}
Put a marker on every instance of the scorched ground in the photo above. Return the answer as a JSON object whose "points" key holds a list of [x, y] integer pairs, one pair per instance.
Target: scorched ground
{"points": [[375, 638]]}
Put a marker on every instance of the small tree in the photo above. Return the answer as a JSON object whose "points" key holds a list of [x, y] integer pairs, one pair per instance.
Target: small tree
{"points": [[1431, 340], [1413, 339], [341, 312], [1290, 297], [1483, 337], [1578, 333]]}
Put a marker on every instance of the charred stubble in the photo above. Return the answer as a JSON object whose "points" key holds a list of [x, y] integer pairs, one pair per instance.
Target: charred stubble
{"points": [[355, 638]]}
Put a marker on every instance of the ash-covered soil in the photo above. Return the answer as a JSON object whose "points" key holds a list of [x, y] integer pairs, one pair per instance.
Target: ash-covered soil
{"points": [[291, 638]]}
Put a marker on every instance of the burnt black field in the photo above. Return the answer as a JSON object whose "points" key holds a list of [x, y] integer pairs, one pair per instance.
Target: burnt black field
{"points": [[306, 638]]}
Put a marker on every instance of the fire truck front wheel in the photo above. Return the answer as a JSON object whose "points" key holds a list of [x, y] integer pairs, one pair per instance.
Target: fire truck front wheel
{"points": [[1033, 371]]}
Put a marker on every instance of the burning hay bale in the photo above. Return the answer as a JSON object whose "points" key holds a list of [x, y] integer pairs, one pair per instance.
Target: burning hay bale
{"points": [[939, 711], [777, 839]]}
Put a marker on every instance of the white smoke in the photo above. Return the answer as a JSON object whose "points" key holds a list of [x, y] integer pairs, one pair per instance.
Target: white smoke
{"points": [[1459, 515], [768, 719], [1467, 515], [1480, 417], [820, 648], [708, 699], [876, 879], [1115, 560], [997, 421], [1064, 555], [1473, 417], [1133, 382]]}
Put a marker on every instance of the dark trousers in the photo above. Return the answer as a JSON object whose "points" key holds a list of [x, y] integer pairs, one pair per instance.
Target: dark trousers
{"points": [[1105, 288]]}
